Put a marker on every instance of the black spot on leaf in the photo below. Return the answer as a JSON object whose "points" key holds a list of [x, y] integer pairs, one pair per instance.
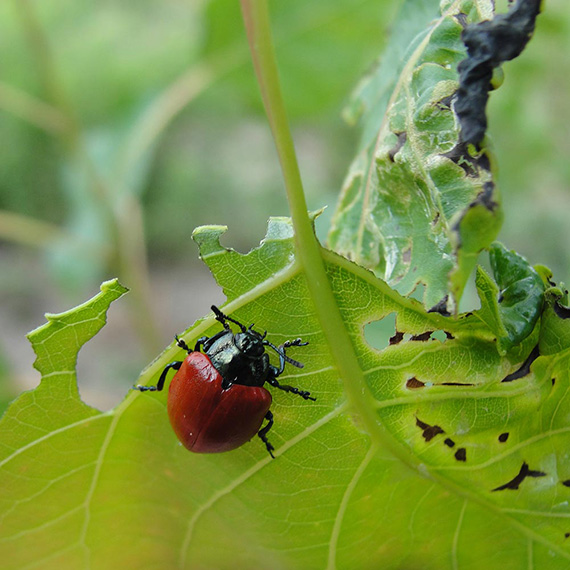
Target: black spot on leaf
{"points": [[428, 432], [456, 384], [566, 483], [485, 197], [449, 442], [524, 472], [462, 19], [503, 437], [445, 102], [441, 307], [422, 337], [525, 367], [402, 137], [460, 156], [397, 338], [461, 454], [561, 311]]}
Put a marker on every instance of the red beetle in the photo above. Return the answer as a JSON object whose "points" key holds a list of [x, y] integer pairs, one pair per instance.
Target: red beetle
{"points": [[216, 400]]}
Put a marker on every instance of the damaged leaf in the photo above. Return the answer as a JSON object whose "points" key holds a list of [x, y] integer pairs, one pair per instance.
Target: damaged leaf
{"points": [[418, 205]]}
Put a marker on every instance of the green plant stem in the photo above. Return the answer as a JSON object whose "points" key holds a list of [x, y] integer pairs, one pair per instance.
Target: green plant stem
{"points": [[30, 109], [308, 249], [25, 230]]}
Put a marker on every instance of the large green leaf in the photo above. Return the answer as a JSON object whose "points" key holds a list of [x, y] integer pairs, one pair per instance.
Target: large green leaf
{"points": [[417, 205], [456, 457], [51, 444]]}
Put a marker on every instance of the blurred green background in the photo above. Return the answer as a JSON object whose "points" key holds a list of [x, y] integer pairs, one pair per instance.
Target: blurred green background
{"points": [[124, 125]]}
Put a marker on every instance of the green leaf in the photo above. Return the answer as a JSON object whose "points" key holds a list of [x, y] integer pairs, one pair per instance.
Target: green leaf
{"points": [[482, 461], [50, 442], [418, 206], [555, 330], [512, 306]]}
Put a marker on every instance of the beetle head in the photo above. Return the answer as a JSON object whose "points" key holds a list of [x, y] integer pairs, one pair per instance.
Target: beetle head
{"points": [[250, 343]]}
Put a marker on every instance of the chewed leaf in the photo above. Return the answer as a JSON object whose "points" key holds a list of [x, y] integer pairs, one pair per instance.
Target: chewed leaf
{"points": [[512, 303], [470, 415], [55, 403], [117, 489], [521, 294], [417, 205], [555, 330], [445, 446], [72, 330], [229, 267], [50, 446]]}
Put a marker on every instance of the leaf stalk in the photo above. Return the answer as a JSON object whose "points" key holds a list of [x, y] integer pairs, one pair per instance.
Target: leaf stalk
{"points": [[308, 250]]}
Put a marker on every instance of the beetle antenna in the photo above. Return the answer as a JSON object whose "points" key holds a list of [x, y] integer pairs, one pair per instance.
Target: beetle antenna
{"points": [[223, 318], [281, 352]]}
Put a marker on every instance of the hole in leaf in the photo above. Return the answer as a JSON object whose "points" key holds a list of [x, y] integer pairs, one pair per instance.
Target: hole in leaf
{"points": [[379, 333], [439, 335], [422, 337], [413, 384]]}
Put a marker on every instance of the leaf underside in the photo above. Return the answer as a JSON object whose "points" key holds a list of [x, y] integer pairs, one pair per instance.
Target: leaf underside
{"points": [[417, 205]]}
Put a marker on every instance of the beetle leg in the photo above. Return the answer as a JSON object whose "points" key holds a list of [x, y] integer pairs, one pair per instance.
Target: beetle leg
{"points": [[286, 388], [284, 358], [199, 343], [160, 384], [296, 342], [262, 433], [182, 344]]}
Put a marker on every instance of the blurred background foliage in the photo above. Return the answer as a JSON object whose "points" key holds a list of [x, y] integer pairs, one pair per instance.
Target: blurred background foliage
{"points": [[124, 125]]}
